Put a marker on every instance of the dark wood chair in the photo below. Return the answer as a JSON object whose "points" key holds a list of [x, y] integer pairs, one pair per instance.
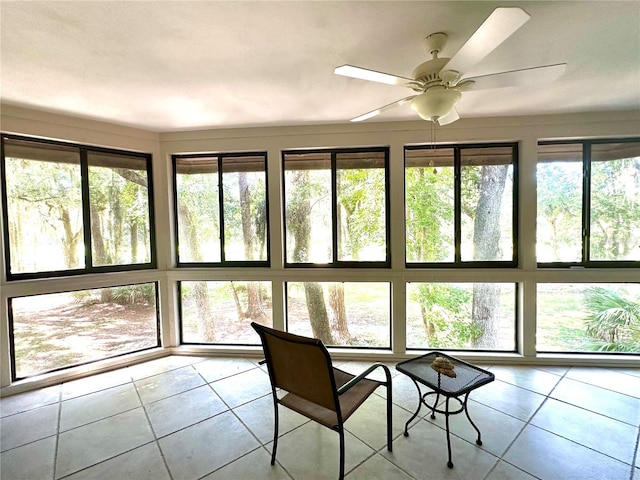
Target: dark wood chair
{"points": [[302, 367]]}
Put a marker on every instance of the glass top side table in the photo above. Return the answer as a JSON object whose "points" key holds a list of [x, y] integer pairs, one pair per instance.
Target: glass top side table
{"points": [[468, 377]]}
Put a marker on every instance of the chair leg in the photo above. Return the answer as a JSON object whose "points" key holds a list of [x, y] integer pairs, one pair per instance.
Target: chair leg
{"points": [[275, 430], [389, 418], [341, 433]]}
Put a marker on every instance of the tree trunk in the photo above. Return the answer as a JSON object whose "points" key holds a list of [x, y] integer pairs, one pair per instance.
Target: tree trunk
{"points": [[200, 293], [254, 306], [339, 313], [206, 323], [117, 222], [245, 212], [98, 250], [429, 327], [236, 300], [255, 309], [134, 241], [318, 312], [70, 240], [299, 225], [486, 241]]}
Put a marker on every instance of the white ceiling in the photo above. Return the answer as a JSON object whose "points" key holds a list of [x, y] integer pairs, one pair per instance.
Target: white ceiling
{"points": [[176, 65]]}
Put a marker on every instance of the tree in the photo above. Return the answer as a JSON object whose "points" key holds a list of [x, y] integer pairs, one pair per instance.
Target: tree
{"points": [[559, 190], [615, 208], [200, 291], [254, 309], [48, 194], [486, 242], [429, 205], [299, 227], [612, 320]]}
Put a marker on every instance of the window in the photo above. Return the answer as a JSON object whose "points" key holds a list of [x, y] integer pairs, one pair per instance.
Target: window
{"points": [[222, 312], [345, 314], [461, 316], [461, 205], [588, 203], [59, 330], [72, 209], [588, 318], [221, 209], [336, 207]]}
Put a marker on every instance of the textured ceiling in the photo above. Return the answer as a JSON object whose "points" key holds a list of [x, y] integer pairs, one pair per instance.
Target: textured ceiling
{"points": [[176, 65]]}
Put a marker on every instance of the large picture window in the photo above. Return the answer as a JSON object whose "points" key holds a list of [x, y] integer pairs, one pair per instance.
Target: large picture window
{"points": [[461, 205], [59, 330], [588, 318], [72, 209], [461, 316], [588, 203], [345, 314], [221, 209], [221, 312], [336, 207]]}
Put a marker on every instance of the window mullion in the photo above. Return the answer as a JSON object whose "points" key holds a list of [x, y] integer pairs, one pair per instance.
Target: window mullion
{"points": [[586, 202], [86, 208], [457, 206], [334, 208], [221, 209]]}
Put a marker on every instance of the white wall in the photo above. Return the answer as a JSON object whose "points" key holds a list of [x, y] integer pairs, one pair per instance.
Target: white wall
{"points": [[526, 130]]}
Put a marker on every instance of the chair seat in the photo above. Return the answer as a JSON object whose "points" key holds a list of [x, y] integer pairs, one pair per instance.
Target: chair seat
{"points": [[349, 401]]}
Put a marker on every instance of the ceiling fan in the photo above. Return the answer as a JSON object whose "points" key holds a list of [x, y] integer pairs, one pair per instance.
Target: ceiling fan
{"points": [[438, 83]]}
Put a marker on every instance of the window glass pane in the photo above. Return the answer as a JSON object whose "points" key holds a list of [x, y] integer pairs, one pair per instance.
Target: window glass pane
{"points": [[64, 329], [465, 316], [588, 317], [615, 202], [198, 209], [361, 214], [341, 313], [245, 212], [222, 312], [559, 203], [119, 208], [486, 204], [429, 204], [44, 207], [308, 220]]}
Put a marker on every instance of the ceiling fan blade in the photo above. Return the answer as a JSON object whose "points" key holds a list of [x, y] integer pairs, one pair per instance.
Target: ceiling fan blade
{"points": [[378, 111], [498, 26], [450, 117], [526, 76], [371, 75]]}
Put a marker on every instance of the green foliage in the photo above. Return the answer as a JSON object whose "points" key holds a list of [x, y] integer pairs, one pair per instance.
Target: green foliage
{"points": [[615, 208], [361, 194], [446, 313], [140, 294], [613, 320], [429, 213]]}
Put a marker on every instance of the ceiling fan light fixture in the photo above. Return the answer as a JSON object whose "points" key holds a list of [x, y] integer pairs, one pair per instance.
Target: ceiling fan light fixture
{"points": [[435, 103]]}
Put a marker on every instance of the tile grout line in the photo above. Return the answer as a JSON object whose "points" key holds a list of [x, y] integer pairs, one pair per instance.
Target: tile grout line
{"points": [[153, 431], [55, 450], [635, 456], [526, 424]]}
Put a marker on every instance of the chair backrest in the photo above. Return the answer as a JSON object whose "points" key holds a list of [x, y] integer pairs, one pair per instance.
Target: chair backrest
{"points": [[300, 365]]}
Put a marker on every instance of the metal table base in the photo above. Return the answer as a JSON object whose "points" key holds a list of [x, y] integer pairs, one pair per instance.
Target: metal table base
{"points": [[446, 412], [468, 377]]}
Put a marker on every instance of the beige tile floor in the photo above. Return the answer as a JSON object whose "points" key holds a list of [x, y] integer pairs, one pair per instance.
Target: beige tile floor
{"points": [[202, 418]]}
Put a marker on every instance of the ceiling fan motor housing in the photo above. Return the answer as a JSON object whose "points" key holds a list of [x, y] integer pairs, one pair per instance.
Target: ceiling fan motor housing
{"points": [[427, 74]]}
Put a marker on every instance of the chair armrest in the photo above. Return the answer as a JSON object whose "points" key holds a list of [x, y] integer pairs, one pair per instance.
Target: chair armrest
{"points": [[362, 375]]}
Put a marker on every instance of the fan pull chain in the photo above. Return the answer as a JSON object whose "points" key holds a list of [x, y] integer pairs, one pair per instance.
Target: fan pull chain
{"points": [[433, 146]]}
